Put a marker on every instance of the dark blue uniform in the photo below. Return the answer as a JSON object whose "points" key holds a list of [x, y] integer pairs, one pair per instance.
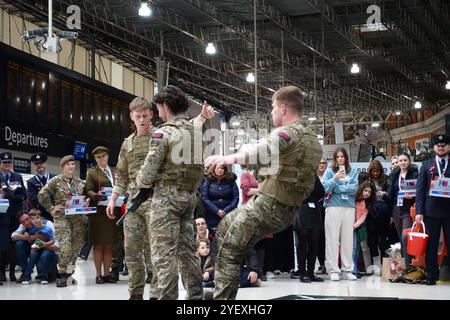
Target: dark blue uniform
{"points": [[436, 212], [13, 190], [34, 185]]}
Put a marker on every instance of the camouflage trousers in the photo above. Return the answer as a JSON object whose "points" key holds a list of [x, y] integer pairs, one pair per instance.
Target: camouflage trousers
{"points": [[239, 231], [118, 251], [70, 231], [136, 243], [173, 243]]}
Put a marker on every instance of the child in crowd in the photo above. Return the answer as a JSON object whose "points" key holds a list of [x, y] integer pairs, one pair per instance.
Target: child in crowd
{"points": [[38, 247], [206, 263], [364, 199]]}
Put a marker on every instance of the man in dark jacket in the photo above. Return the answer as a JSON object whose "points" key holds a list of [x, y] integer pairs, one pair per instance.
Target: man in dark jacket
{"points": [[432, 208], [13, 190], [37, 182]]}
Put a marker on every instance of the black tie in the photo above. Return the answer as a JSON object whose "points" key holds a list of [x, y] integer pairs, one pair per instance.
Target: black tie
{"points": [[442, 165], [44, 180]]}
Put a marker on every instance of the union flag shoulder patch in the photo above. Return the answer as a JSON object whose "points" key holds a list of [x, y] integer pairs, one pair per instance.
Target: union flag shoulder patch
{"points": [[157, 136], [284, 136]]}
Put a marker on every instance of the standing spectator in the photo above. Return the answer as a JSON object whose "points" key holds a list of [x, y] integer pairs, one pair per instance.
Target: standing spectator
{"points": [[40, 246], [220, 195], [47, 260], [321, 250], [401, 206], [365, 196], [340, 183], [70, 229], [249, 185], [431, 209], [102, 231], [308, 225], [37, 182], [394, 163], [378, 220], [202, 231], [13, 190]]}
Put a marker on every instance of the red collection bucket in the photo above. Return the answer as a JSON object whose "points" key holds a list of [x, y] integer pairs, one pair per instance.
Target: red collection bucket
{"points": [[417, 242]]}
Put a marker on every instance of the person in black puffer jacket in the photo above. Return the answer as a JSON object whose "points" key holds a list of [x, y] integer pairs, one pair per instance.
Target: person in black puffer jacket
{"points": [[400, 208]]}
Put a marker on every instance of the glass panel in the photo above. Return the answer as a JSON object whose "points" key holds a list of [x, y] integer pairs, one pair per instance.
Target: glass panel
{"points": [[53, 103], [66, 108], [13, 98]]}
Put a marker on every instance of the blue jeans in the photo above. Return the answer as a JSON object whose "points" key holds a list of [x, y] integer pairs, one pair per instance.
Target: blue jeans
{"points": [[45, 260], [22, 253]]}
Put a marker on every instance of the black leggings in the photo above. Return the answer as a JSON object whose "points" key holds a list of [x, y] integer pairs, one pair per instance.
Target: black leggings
{"points": [[308, 243]]}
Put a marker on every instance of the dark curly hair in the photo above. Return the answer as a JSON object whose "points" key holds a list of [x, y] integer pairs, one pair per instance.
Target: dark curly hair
{"points": [[174, 97]]}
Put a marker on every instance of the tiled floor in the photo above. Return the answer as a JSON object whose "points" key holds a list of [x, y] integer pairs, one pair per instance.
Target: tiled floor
{"points": [[86, 289]]}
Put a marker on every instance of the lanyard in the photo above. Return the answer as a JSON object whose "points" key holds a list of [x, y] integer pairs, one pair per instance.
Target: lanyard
{"points": [[39, 180], [71, 190], [400, 181], [438, 165]]}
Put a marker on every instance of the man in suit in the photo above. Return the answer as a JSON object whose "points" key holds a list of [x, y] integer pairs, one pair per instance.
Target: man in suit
{"points": [[434, 210], [37, 182], [13, 190]]}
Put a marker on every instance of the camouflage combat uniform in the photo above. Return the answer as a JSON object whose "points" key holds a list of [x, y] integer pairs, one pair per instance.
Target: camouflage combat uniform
{"points": [[69, 230], [272, 209], [172, 208], [131, 158]]}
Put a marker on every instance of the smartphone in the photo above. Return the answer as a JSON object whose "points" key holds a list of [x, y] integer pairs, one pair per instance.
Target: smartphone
{"points": [[342, 168]]}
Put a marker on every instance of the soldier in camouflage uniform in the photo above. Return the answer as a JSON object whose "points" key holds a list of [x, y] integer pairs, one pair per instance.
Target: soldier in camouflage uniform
{"points": [[273, 208], [172, 209], [70, 230], [131, 158]]}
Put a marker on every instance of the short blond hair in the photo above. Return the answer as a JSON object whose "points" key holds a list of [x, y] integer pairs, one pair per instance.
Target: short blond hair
{"points": [[139, 104]]}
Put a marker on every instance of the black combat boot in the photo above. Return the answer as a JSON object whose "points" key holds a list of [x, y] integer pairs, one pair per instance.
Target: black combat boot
{"points": [[2, 276], [115, 273], [149, 277], [62, 280], [136, 297]]}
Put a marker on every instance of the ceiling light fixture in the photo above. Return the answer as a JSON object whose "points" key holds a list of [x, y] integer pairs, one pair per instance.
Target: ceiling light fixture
{"points": [[417, 105], [447, 86], [210, 48], [250, 77], [144, 10], [397, 113], [312, 118], [355, 68], [375, 125]]}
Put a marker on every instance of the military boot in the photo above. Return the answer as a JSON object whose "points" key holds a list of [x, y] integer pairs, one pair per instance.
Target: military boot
{"points": [[62, 280], [2, 276], [149, 277], [136, 297], [115, 273]]}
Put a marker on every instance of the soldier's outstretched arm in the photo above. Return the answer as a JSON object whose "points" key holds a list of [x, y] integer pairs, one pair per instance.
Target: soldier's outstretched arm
{"points": [[207, 113], [155, 158]]}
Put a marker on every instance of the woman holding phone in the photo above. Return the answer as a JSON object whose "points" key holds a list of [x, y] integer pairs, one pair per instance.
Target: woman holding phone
{"points": [[340, 183]]}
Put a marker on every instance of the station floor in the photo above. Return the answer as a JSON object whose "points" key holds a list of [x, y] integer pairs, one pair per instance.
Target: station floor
{"points": [[281, 287]]}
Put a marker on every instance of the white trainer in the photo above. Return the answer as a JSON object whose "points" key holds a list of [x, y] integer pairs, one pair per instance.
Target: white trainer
{"points": [[349, 276], [334, 276]]}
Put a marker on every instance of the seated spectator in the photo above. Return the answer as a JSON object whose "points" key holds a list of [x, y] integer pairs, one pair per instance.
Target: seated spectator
{"points": [[47, 260], [220, 195], [206, 263], [251, 271], [39, 246]]}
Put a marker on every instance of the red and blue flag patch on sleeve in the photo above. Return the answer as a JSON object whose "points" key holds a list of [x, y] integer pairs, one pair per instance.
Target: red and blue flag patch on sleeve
{"points": [[157, 136], [284, 136]]}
